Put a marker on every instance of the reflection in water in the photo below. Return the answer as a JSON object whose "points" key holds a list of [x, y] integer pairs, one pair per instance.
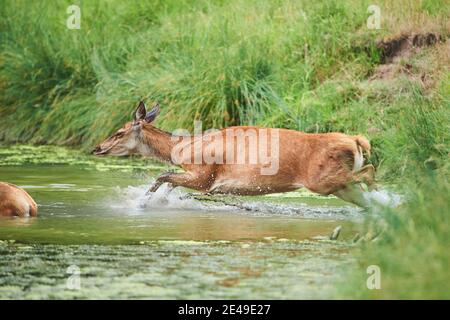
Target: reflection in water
{"points": [[17, 222]]}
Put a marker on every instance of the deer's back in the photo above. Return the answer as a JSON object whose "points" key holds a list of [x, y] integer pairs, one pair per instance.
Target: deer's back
{"points": [[14, 201]]}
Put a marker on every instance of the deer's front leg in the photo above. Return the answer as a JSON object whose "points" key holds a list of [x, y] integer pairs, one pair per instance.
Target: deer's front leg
{"points": [[186, 180], [163, 178]]}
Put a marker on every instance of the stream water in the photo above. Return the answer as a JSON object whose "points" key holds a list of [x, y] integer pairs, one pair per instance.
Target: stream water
{"points": [[97, 226]]}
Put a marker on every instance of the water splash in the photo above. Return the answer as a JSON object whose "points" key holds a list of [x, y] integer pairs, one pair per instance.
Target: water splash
{"points": [[136, 197], [383, 198], [303, 210], [164, 198]]}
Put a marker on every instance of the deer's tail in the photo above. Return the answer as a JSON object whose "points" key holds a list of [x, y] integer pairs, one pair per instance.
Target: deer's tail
{"points": [[363, 145]]}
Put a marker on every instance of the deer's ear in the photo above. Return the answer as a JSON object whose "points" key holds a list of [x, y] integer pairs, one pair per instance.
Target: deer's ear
{"points": [[140, 111], [151, 115]]}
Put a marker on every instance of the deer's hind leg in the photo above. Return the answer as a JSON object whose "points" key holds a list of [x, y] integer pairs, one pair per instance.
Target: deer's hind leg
{"points": [[366, 175], [353, 193]]}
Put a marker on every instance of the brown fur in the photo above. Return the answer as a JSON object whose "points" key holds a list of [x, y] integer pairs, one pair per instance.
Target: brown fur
{"points": [[323, 163], [15, 201]]}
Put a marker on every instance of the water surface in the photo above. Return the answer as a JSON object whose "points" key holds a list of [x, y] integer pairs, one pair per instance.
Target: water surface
{"points": [[94, 214]]}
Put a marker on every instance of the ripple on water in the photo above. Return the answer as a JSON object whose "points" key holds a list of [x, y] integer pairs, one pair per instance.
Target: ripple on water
{"points": [[61, 185]]}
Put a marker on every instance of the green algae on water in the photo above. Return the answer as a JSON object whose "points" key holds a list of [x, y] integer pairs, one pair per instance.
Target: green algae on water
{"points": [[17, 155], [175, 270]]}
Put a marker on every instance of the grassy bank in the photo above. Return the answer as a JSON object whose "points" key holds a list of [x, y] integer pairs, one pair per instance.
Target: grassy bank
{"points": [[306, 65], [411, 250], [298, 64]]}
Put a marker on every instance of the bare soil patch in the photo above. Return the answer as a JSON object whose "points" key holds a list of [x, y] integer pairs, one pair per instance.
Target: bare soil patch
{"points": [[401, 48]]}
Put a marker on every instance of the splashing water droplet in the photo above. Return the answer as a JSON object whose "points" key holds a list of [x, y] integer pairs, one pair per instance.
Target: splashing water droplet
{"points": [[383, 198]]}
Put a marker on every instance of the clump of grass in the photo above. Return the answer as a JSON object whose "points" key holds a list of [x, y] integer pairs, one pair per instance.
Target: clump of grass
{"points": [[412, 251], [419, 138]]}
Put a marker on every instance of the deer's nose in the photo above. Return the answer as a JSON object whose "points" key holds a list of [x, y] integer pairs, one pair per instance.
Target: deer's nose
{"points": [[96, 150]]}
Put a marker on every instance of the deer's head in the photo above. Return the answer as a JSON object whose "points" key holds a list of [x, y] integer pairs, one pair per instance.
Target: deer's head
{"points": [[127, 140]]}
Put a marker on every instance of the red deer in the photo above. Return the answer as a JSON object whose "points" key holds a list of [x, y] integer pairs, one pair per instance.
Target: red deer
{"points": [[15, 201], [328, 163]]}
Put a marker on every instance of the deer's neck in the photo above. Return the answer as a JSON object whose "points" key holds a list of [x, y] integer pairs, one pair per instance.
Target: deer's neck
{"points": [[156, 143]]}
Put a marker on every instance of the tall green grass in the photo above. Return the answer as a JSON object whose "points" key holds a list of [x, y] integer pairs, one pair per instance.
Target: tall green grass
{"points": [[412, 250], [237, 62]]}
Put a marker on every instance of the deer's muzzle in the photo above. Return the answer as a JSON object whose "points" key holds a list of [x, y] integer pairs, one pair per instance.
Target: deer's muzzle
{"points": [[98, 151]]}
